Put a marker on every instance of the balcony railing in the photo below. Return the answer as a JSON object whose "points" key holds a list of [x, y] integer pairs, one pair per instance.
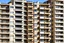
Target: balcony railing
{"points": [[4, 12]]}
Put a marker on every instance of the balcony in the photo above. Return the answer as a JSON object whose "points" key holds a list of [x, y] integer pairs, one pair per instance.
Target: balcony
{"points": [[35, 7], [46, 27], [18, 0], [41, 17], [4, 17], [30, 19], [47, 17], [18, 9], [18, 32], [18, 38], [30, 29], [4, 27], [36, 12], [17, 28], [18, 14], [47, 22], [30, 24], [47, 8], [30, 11], [58, 3], [36, 21], [41, 42], [58, 38], [30, 38], [58, 29], [36, 26], [4, 37], [41, 26], [47, 13], [3, 8], [18, 23], [30, 33], [30, 41], [30, 15], [59, 21], [18, 18], [59, 17], [18, 42], [4, 42], [41, 37], [58, 25], [42, 32], [58, 12], [41, 12], [30, 6], [59, 42], [47, 42], [59, 34], [20, 5], [59, 8], [42, 22], [36, 16], [41, 7], [47, 32], [47, 37], [4, 22], [4, 32], [4, 13]]}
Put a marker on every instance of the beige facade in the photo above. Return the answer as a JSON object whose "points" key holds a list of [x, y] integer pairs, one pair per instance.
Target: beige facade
{"points": [[32, 22]]}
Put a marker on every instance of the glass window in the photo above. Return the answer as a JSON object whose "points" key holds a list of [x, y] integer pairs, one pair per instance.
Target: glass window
{"points": [[11, 7], [35, 10], [11, 16]]}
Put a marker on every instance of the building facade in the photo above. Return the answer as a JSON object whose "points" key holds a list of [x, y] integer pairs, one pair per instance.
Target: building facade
{"points": [[32, 22]]}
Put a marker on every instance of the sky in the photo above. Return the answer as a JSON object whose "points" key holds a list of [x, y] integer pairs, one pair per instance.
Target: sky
{"points": [[6, 1], [37, 0]]}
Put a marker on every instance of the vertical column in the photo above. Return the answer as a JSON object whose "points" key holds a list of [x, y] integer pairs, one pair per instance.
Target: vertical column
{"points": [[11, 24], [63, 23], [22, 21]]}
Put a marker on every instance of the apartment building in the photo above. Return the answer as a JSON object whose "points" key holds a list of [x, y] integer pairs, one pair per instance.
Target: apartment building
{"points": [[57, 12], [22, 21]]}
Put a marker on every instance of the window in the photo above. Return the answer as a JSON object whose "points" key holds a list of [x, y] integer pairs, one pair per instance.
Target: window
{"points": [[42, 35], [11, 22], [41, 7], [35, 14], [35, 24], [35, 5], [11, 12], [35, 10], [11, 26], [42, 24], [41, 40], [42, 30], [11, 7], [11, 16], [35, 28]]}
